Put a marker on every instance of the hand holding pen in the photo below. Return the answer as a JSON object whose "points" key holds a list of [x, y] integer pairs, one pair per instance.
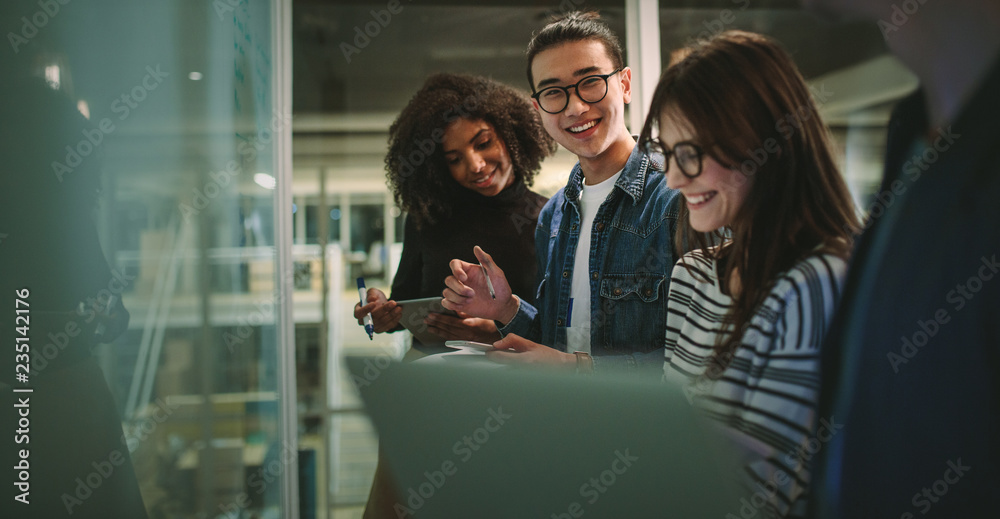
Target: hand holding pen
{"points": [[489, 284], [479, 289], [366, 318], [385, 313]]}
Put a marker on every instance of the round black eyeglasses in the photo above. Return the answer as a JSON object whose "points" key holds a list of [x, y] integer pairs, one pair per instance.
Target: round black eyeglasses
{"points": [[686, 154], [590, 89]]}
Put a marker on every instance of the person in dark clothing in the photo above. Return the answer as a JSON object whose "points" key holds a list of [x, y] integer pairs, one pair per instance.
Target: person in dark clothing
{"points": [[63, 299], [462, 154], [911, 370]]}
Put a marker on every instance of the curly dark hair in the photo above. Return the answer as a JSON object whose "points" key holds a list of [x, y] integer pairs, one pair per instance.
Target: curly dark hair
{"points": [[415, 165]]}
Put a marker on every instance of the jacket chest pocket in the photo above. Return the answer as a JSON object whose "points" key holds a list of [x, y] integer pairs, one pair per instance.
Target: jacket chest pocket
{"points": [[644, 287], [631, 313]]}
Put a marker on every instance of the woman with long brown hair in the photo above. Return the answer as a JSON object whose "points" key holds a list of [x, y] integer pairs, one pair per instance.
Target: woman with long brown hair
{"points": [[769, 222]]}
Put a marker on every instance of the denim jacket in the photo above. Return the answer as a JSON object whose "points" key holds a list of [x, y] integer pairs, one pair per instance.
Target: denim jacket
{"points": [[631, 258]]}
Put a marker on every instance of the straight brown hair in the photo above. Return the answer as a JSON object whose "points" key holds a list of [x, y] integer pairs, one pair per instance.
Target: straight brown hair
{"points": [[744, 98]]}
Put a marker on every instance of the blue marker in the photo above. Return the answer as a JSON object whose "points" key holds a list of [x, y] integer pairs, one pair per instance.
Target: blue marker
{"points": [[363, 294]]}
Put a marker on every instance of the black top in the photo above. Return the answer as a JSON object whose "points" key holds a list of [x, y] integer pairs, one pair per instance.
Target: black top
{"points": [[503, 225]]}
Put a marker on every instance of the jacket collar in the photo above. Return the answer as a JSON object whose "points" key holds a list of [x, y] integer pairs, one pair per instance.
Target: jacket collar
{"points": [[632, 180]]}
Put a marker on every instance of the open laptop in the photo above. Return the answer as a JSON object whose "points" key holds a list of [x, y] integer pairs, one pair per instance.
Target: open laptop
{"points": [[463, 441]]}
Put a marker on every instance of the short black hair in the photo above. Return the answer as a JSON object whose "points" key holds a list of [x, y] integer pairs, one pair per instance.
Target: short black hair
{"points": [[575, 26]]}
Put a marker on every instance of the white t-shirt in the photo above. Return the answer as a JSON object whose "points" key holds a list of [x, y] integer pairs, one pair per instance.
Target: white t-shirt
{"points": [[578, 327]]}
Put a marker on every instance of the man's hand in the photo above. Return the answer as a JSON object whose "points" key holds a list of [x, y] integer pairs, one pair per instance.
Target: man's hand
{"points": [[468, 292], [385, 314], [517, 350]]}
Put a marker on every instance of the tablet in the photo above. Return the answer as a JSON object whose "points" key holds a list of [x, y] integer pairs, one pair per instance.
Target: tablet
{"points": [[474, 347], [414, 312]]}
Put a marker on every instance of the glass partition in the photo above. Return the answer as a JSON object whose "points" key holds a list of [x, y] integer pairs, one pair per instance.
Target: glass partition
{"points": [[140, 143]]}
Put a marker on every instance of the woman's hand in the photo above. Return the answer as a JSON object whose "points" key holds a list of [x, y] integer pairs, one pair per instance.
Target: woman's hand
{"points": [[462, 328], [385, 314], [517, 350], [468, 292]]}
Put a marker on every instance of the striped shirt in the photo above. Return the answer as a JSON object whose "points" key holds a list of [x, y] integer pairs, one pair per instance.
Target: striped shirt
{"points": [[766, 397]]}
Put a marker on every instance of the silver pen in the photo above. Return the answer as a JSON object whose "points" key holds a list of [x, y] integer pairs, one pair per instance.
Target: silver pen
{"points": [[489, 284]]}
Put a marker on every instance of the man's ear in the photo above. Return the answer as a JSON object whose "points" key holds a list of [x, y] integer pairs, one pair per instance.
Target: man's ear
{"points": [[626, 80]]}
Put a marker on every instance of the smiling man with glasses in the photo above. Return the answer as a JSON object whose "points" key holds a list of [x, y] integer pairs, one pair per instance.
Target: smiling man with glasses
{"points": [[605, 240]]}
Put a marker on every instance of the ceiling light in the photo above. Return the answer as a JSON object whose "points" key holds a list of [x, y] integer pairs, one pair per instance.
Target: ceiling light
{"points": [[265, 181]]}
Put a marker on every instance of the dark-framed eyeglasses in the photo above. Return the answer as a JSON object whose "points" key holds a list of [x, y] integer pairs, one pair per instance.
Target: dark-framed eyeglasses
{"points": [[686, 154], [590, 89]]}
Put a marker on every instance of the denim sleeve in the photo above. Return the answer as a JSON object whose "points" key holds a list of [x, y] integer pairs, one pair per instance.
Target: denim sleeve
{"points": [[525, 323]]}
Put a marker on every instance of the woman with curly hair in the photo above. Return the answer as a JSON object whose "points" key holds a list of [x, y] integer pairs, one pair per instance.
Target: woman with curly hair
{"points": [[462, 154], [772, 223]]}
